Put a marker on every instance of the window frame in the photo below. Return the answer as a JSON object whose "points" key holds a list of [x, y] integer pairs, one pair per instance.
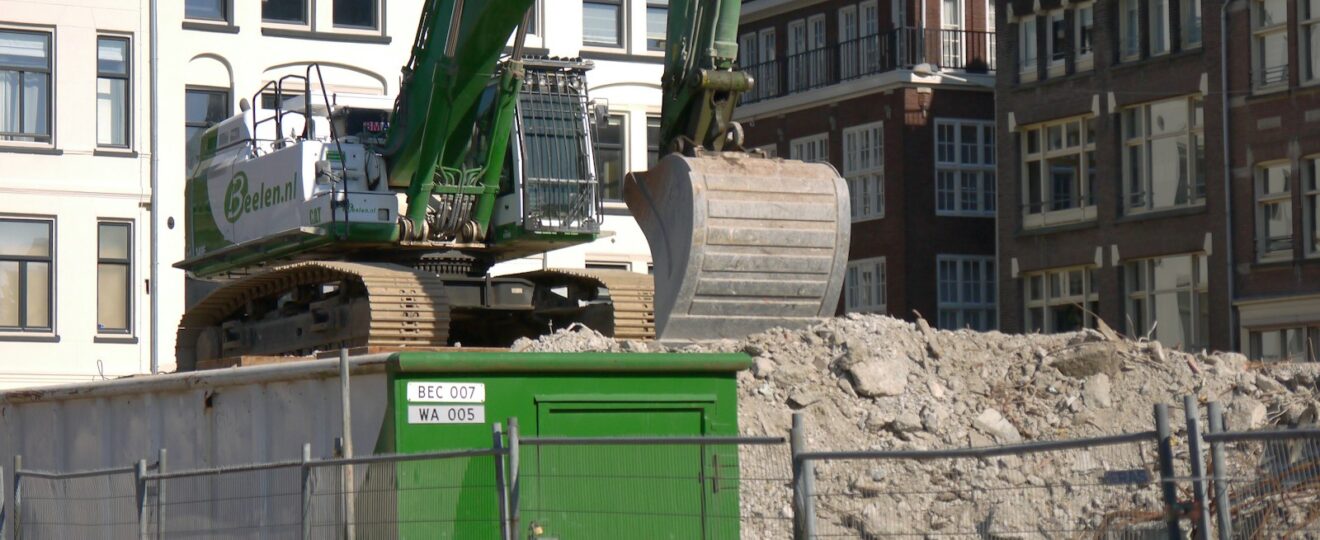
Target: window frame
{"points": [[1090, 297], [1056, 60], [819, 144], [1311, 205], [1261, 199], [1047, 216], [653, 121], [597, 143], [959, 308], [226, 14], [650, 4], [23, 329], [205, 90], [1028, 43], [1083, 57], [38, 140], [127, 263], [1129, 37], [377, 15], [1261, 80], [1309, 332], [308, 14], [127, 77], [984, 168], [1188, 22], [848, 41], [870, 175], [1309, 58], [1198, 290], [1192, 134], [620, 26], [1162, 43], [852, 302]]}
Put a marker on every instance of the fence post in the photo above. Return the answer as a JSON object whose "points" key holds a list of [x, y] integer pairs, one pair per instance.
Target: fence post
{"points": [[140, 481], [160, 496], [18, 496], [514, 485], [2, 502], [1192, 411], [1223, 507], [1167, 485], [501, 495], [306, 470], [804, 484], [346, 415]]}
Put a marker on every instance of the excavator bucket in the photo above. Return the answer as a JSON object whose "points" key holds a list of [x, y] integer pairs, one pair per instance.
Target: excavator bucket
{"points": [[741, 243]]}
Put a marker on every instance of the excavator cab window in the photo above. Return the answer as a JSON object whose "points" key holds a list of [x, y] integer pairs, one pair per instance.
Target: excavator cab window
{"points": [[367, 125]]}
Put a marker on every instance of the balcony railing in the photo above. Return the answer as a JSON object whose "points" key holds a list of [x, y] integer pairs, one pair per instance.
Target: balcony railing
{"points": [[900, 48]]}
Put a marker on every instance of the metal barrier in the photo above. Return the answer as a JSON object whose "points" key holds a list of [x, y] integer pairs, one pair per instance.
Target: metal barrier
{"points": [[1222, 484]]}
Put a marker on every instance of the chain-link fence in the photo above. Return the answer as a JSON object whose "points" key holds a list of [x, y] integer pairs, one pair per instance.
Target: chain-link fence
{"points": [[1163, 483]]}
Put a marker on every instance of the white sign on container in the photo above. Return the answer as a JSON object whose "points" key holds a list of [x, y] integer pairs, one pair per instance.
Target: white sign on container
{"points": [[446, 414], [447, 392]]}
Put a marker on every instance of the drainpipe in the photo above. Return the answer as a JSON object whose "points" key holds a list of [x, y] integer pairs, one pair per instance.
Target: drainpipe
{"points": [[154, 280], [1228, 172]]}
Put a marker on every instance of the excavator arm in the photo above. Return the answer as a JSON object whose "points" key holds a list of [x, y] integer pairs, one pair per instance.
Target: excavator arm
{"points": [[740, 242]]}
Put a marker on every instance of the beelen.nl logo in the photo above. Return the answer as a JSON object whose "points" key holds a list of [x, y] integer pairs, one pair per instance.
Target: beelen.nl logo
{"points": [[239, 201]]}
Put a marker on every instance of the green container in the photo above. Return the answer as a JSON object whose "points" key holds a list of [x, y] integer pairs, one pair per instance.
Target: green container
{"points": [[449, 401]]}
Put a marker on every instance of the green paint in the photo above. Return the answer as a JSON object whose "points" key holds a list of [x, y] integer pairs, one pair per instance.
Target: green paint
{"points": [[239, 201], [572, 491]]}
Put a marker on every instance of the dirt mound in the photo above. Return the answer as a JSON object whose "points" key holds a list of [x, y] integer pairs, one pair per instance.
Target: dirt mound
{"points": [[875, 382]]}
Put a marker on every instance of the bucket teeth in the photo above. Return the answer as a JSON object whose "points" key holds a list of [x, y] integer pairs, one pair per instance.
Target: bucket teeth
{"points": [[741, 244]]}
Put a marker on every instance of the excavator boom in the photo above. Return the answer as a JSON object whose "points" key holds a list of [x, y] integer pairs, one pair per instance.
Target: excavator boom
{"points": [[741, 243]]}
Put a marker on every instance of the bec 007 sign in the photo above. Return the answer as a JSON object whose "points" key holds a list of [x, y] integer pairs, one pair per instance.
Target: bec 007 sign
{"points": [[446, 392]]}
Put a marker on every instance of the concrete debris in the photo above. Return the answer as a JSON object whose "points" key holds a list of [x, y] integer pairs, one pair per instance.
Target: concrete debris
{"points": [[875, 382]]}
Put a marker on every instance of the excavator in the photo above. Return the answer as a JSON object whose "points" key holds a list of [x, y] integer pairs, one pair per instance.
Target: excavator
{"points": [[327, 220]]}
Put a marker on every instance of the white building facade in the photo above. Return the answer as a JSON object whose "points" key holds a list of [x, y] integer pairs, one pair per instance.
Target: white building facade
{"points": [[75, 190], [75, 213]]}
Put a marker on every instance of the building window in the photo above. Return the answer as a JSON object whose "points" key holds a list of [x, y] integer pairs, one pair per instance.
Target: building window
{"points": [[1058, 171], [26, 285], [355, 13], [602, 23], [112, 117], [284, 11], [607, 265], [1159, 27], [1063, 300], [114, 275], [609, 156], [812, 148], [964, 168], [652, 141], [211, 10], [1311, 202], [657, 15], [1084, 17], [1296, 344], [1274, 234], [806, 48], [1191, 23], [1027, 46], [1269, 42], [1164, 154], [865, 286], [1057, 39], [966, 292], [1308, 13], [864, 168], [1129, 29], [1168, 300], [25, 89], [204, 108], [848, 43]]}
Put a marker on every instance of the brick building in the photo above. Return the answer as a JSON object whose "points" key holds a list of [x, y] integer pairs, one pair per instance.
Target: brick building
{"points": [[1114, 197], [898, 97]]}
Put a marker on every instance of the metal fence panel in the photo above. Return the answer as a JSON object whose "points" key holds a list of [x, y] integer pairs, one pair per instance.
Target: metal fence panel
{"points": [[262, 503], [1273, 487], [1109, 491], [99, 506], [649, 490]]}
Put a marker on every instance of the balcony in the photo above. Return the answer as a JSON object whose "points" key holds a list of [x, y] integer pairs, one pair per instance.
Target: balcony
{"points": [[898, 49]]}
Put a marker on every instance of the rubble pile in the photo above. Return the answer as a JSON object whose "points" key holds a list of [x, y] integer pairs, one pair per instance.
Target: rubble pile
{"points": [[875, 382]]}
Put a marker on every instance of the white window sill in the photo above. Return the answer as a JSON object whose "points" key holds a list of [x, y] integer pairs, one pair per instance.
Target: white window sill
{"points": [[1059, 217], [1276, 257], [1085, 62], [962, 213], [1272, 88], [1057, 68], [1027, 76], [871, 217]]}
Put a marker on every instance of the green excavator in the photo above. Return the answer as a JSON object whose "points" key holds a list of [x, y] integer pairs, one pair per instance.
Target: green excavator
{"points": [[329, 220]]}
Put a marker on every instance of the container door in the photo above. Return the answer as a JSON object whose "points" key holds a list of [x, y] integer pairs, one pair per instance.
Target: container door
{"points": [[618, 491]]}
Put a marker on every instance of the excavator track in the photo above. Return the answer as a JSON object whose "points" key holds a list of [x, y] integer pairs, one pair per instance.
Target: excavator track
{"points": [[312, 306], [631, 294]]}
